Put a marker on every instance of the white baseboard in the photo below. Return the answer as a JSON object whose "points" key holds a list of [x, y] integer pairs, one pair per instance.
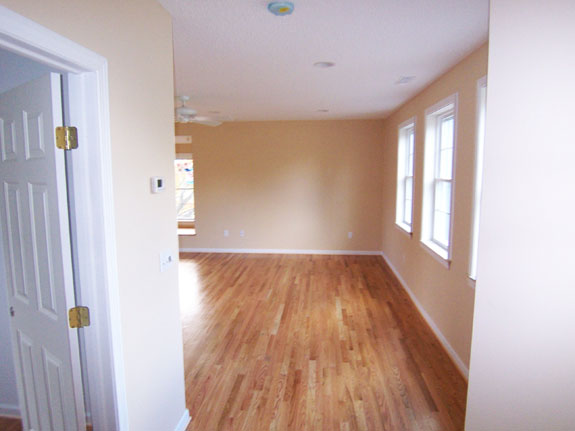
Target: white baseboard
{"points": [[10, 410], [184, 421], [279, 251], [450, 351]]}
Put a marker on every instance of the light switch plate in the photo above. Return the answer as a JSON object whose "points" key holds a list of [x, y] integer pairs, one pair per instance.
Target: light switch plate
{"points": [[166, 260]]}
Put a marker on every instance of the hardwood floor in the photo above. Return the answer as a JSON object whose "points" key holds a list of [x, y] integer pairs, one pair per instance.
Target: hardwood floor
{"points": [[10, 424], [299, 342]]}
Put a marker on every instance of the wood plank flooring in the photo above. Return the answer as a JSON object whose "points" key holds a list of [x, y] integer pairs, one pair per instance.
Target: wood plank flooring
{"points": [[299, 342], [10, 424], [13, 424]]}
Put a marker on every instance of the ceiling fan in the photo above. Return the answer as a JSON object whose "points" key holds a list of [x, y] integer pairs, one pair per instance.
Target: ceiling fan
{"points": [[189, 115]]}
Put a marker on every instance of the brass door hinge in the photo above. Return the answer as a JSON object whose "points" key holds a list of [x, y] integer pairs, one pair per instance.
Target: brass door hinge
{"points": [[79, 317], [66, 138]]}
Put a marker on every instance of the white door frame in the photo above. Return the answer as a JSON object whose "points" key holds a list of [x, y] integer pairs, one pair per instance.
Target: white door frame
{"points": [[92, 201]]}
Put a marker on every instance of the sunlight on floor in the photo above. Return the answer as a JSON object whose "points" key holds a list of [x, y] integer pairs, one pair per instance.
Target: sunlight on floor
{"points": [[190, 296]]}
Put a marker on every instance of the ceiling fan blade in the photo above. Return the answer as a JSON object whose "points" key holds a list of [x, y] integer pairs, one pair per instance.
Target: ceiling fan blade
{"points": [[205, 121], [184, 110]]}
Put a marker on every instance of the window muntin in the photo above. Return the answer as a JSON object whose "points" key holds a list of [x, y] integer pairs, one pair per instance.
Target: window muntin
{"points": [[478, 180], [438, 176], [405, 170]]}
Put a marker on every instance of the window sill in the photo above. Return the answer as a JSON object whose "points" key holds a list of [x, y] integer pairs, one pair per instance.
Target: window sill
{"points": [[437, 253], [186, 231], [404, 228]]}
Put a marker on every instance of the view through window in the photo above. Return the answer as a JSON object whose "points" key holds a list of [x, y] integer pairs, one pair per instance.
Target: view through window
{"points": [[185, 203]]}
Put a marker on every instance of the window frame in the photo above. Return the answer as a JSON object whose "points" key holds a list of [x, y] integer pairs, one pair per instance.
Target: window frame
{"points": [[186, 224], [481, 113], [434, 117], [404, 149]]}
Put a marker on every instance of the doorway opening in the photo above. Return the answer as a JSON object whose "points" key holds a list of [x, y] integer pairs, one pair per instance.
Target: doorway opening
{"points": [[86, 91]]}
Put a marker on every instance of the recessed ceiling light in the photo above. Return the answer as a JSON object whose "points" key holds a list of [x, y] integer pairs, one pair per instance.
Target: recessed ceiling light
{"points": [[281, 8], [322, 110], [324, 64], [404, 80]]}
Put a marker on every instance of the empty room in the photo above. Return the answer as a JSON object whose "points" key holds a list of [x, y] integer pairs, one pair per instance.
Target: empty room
{"points": [[269, 215]]}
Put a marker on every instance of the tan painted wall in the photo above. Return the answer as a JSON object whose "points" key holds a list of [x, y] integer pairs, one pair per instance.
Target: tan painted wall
{"points": [[444, 293], [135, 36], [288, 184]]}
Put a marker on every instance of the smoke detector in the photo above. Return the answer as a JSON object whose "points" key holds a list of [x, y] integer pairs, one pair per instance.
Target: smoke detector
{"points": [[281, 8]]}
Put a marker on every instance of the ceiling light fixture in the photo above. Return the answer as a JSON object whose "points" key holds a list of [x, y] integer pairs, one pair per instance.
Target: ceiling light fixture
{"points": [[281, 8], [324, 64], [404, 80]]}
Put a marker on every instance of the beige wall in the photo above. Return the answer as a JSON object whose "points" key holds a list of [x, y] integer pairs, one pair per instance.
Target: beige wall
{"points": [[522, 374], [445, 294], [135, 36], [288, 184]]}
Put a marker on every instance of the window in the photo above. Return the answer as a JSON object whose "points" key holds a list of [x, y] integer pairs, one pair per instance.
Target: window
{"points": [[405, 156], [185, 204], [440, 133], [481, 111]]}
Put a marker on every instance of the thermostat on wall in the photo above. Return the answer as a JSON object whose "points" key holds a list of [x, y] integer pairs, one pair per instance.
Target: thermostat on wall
{"points": [[158, 184]]}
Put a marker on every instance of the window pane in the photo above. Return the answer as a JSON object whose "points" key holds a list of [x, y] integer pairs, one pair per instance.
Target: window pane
{"points": [[442, 197], [408, 187], [446, 163], [441, 228], [184, 173], [410, 149], [407, 200], [447, 125], [185, 205], [410, 165], [407, 212]]}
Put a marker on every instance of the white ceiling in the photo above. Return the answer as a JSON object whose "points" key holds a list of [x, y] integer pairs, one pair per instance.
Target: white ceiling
{"points": [[237, 58]]}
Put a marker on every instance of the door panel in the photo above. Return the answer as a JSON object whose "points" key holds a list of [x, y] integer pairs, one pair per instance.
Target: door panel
{"points": [[14, 234], [36, 242], [8, 140]]}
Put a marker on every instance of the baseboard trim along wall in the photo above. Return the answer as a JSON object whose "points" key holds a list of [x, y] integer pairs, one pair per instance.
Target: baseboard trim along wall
{"points": [[184, 421], [10, 410], [450, 351], [279, 251]]}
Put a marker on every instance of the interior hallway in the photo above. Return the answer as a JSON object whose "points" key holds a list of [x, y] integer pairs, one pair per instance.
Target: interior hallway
{"points": [[281, 342]]}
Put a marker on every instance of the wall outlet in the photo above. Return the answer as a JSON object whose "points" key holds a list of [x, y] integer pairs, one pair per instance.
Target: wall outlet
{"points": [[242, 233], [166, 260], [226, 232], [350, 235]]}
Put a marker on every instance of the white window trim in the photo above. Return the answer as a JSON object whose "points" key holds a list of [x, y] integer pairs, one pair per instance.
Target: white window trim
{"points": [[431, 115], [481, 104], [184, 156], [400, 194]]}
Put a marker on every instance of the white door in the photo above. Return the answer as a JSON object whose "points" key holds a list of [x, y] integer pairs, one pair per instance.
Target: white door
{"points": [[36, 242]]}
